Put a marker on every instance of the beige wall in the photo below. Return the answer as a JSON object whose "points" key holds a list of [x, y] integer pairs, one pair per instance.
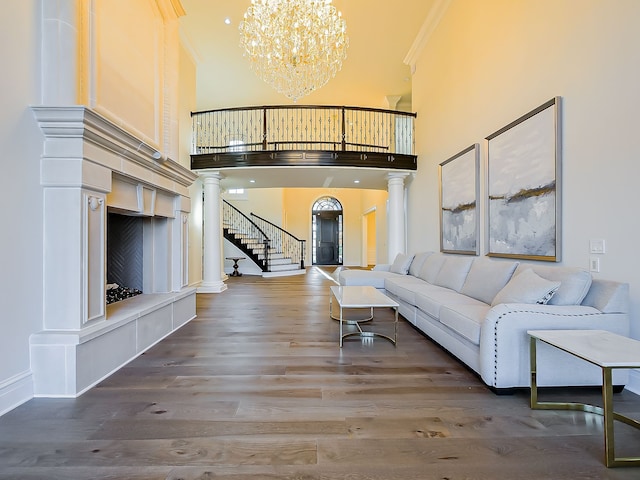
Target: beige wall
{"points": [[371, 243], [376, 201], [264, 202], [489, 62], [187, 102], [124, 67]]}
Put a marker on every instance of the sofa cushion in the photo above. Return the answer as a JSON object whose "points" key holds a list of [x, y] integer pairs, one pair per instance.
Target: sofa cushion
{"points": [[486, 278], [608, 296], [418, 262], [401, 264], [373, 278], [431, 267], [431, 298], [526, 287], [403, 287], [574, 282], [465, 320], [453, 272]]}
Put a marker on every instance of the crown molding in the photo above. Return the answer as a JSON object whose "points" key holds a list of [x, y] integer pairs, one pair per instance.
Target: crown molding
{"points": [[428, 27], [171, 9]]}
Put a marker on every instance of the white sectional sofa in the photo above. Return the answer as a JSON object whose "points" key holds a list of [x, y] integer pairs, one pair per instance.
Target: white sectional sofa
{"points": [[480, 308]]}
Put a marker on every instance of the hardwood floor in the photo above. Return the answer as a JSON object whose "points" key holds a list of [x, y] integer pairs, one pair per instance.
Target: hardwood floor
{"points": [[257, 388]]}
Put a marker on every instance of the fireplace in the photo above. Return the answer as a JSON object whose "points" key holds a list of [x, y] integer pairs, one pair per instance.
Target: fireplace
{"points": [[115, 211]]}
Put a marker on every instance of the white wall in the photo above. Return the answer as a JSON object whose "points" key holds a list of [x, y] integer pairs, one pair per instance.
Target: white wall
{"points": [[489, 62], [21, 239]]}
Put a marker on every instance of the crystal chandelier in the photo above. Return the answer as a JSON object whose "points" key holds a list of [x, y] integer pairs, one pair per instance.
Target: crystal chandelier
{"points": [[296, 46]]}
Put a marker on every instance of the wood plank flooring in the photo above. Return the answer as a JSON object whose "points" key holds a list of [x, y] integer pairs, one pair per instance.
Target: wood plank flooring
{"points": [[257, 388]]}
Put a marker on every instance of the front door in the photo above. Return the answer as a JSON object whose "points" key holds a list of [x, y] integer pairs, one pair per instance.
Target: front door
{"points": [[327, 238]]}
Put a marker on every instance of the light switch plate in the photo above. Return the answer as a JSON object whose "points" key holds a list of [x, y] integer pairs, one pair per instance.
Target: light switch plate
{"points": [[594, 264], [596, 245]]}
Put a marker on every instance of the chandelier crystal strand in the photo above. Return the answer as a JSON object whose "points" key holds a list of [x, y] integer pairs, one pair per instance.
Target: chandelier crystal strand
{"points": [[296, 46]]}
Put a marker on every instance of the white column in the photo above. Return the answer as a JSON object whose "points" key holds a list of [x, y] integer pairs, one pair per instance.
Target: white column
{"points": [[396, 229], [212, 242]]}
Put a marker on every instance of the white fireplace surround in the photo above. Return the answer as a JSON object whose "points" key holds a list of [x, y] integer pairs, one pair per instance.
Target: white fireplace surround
{"points": [[90, 166]]}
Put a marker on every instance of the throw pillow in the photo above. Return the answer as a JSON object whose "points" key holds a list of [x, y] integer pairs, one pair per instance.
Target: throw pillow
{"points": [[401, 264], [486, 278], [527, 287], [574, 283]]}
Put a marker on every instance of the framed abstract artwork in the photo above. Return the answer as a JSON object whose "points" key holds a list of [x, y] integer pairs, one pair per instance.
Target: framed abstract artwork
{"points": [[523, 186], [459, 188]]}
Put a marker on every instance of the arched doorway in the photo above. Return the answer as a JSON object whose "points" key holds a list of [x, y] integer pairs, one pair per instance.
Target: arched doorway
{"points": [[326, 232]]}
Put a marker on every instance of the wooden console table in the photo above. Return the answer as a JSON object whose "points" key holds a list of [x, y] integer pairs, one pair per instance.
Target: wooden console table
{"points": [[235, 272]]}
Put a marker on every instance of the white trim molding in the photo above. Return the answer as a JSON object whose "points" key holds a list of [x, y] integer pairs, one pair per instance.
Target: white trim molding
{"points": [[15, 391], [428, 27]]}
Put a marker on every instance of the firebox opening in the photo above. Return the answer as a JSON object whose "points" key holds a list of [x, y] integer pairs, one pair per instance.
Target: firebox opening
{"points": [[124, 256]]}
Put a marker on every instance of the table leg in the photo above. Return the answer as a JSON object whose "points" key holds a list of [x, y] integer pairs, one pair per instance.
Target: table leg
{"points": [[395, 328], [607, 400], [341, 327], [235, 273]]}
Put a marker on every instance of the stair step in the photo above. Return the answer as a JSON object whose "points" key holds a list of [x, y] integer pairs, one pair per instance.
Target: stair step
{"points": [[285, 268], [281, 261], [272, 255]]}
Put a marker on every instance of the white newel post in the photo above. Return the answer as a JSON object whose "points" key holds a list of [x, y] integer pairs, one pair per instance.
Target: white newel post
{"points": [[212, 243], [396, 215]]}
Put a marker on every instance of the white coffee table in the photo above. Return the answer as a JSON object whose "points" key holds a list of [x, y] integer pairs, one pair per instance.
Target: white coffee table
{"points": [[362, 297], [606, 350]]}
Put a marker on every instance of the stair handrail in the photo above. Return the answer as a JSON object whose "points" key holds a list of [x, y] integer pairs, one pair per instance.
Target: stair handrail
{"points": [[239, 221], [283, 241]]}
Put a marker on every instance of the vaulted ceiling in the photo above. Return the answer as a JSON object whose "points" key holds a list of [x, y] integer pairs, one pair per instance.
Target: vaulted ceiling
{"points": [[381, 33]]}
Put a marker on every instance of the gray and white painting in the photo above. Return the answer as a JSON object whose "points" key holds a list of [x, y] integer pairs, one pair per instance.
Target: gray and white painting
{"points": [[522, 188], [459, 221]]}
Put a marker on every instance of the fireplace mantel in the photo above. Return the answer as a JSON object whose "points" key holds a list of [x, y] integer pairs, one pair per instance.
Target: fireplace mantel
{"points": [[90, 166]]}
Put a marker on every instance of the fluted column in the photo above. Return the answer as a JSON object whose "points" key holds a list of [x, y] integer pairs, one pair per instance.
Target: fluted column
{"points": [[396, 227], [212, 239]]}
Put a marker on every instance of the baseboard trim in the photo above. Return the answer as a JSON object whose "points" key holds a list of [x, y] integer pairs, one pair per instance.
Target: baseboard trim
{"points": [[634, 382], [15, 391]]}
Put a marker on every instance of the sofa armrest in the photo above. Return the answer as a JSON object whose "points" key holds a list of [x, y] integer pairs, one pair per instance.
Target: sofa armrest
{"points": [[383, 267], [504, 343]]}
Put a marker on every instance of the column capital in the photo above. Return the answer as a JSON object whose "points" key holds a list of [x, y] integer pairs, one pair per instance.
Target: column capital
{"points": [[208, 173], [210, 177], [397, 178]]}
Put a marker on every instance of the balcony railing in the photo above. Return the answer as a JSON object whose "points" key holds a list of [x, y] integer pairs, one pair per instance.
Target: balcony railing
{"points": [[328, 135]]}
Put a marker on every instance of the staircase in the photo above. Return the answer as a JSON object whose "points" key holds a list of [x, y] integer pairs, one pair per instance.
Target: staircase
{"points": [[275, 251]]}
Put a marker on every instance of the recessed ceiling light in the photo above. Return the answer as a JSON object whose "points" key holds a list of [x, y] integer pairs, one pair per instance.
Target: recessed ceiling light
{"points": [[227, 21], [252, 181], [356, 181]]}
